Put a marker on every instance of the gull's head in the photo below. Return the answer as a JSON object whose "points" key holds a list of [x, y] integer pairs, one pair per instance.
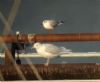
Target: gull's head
{"points": [[48, 24], [45, 21], [17, 33], [37, 45]]}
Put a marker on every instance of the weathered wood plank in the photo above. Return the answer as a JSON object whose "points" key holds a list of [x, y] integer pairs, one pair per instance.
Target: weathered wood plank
{"points": [[53, 71]]}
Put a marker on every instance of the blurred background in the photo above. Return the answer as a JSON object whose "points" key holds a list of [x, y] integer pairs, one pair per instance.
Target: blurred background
{"points": [[26, 16]]}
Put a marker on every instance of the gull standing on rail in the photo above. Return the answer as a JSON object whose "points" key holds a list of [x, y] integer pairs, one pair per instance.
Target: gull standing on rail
{"points": [[51, 24], [50, 50]]}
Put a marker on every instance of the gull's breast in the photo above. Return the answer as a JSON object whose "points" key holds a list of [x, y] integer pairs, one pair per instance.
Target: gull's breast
{"points": [[47, 25], [41, 51]]}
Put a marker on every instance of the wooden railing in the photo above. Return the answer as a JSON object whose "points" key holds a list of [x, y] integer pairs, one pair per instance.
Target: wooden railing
{"points": [[51, 37]]}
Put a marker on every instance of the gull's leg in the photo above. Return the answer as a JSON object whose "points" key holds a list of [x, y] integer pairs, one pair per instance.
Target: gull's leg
{"points": [[50, 31], [47, 62]]}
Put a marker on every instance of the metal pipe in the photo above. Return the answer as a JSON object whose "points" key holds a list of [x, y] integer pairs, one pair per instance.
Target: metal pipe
{"points": [[52, 37], [74, 54]]}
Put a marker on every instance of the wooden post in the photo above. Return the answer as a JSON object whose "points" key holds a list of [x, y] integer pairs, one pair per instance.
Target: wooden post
{"points": [[8, 57]]}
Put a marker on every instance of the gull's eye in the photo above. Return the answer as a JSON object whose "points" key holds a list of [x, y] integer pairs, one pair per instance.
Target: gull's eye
{"points": [[45, 21], [37, 45]]}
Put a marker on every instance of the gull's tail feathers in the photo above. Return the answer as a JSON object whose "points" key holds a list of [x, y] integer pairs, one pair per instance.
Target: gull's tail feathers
{"points": [[65, 51], [60, 23]]}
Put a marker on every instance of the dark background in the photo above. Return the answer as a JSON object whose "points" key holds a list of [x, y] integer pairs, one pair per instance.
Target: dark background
{"points": [[78, 15]]}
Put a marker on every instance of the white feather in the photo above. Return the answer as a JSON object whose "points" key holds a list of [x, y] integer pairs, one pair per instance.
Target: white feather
{"points": [[50, 50], [51, 24]]}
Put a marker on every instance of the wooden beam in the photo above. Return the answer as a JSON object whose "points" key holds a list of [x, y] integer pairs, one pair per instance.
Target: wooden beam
{"points": [[52, 37], [53, 71]]}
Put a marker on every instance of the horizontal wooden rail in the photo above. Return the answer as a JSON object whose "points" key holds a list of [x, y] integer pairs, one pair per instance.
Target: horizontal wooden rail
{"points": [[35, 55], [57, 80], [51, 37], [53, 71]]}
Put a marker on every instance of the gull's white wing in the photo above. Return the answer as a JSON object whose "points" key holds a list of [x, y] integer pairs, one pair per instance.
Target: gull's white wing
{"points": [[53, 49], [53, 23], [65, 50]]}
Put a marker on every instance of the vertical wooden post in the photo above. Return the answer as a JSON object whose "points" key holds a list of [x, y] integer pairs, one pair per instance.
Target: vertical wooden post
{"points": [[8, 57]]}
